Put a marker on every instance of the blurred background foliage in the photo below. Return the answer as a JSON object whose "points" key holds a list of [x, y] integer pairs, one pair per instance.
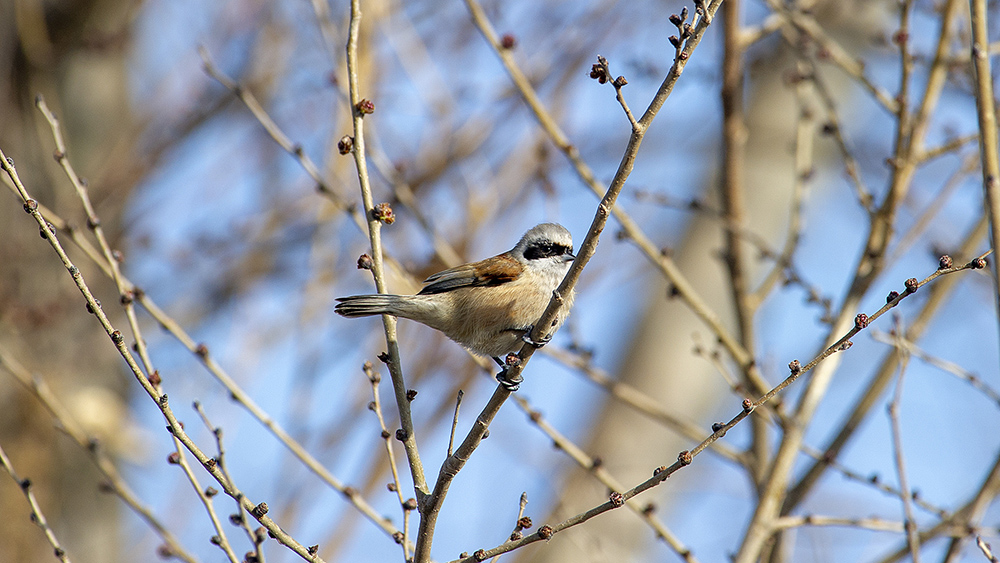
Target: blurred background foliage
{"points": [[227, 232]]}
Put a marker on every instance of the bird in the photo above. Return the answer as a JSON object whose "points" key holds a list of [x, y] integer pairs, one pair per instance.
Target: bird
{"points": [[489, 306]]}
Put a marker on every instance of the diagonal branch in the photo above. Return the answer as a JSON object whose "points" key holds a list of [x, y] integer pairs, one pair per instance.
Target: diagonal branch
{"points": [[686, 457], [449, 469], [683, 288], [259, 511]]}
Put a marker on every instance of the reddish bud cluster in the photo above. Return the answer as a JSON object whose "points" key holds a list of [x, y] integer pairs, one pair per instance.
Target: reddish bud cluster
{"points": [[861, 321], [685, 457], [599, 73], [345, 145], [383, 213]]}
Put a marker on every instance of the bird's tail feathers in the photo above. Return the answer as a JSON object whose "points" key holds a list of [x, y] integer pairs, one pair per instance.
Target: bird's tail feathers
{"points": [[368, 305]]}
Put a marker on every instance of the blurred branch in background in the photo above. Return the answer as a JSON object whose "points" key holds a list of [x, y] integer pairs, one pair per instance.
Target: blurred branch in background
{"points": [[813, 156]]}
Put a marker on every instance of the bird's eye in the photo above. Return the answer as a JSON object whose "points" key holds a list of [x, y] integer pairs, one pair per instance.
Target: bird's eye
{"points": [[545, 250], [536, 251]]}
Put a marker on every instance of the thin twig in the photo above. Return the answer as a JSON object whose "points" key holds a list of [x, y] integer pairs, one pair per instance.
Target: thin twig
{"points": [[686, 457], [987, 551], [784, 270], [111, 257], [900, 342], [256, 540], [36, 511], [259, 511], [936, 299], [871, 480], [751, 35], [805, 133], [401, 189], [948, 147], [965, 518], [595, 467], [202, 352], [520, 524], [640, 402], [179, 458], [907, 239], [294, 149], [909, 522], [403, 539], [114, 483], [833, 51], [877, 524], [360, 107], [937, 77], [834, 129], [454, 423]]}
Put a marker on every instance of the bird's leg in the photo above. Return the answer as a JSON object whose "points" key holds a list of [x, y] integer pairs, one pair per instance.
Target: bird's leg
{"points": [[536, 343], [509, 383]]}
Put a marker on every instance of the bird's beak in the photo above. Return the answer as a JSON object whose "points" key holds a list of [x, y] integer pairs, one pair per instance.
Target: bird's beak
{"points": [[569, 257]]}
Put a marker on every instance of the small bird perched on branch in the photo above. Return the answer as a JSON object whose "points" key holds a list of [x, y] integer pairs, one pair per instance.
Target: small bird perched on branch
{"points": [[487, 306]]}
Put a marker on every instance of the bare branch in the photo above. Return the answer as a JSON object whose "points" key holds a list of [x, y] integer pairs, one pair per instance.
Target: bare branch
{"points": [[36, 511]]}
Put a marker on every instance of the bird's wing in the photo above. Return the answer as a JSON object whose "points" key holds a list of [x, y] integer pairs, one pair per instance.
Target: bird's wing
{"points": [[492, 271]]}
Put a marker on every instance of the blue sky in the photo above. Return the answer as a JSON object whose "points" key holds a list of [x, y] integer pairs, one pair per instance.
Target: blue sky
{"points": [[228, 192]]}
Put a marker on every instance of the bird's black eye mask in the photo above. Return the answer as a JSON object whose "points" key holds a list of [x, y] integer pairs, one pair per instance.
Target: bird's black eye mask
{"points": [[546, 250]]}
